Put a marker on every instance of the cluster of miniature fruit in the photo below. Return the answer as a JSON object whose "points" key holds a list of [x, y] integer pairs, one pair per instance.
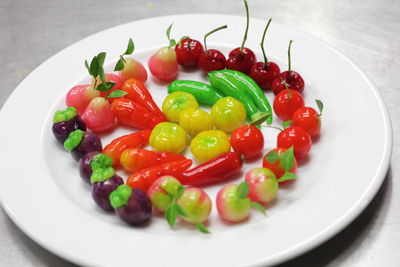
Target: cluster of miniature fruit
{"points": [[162, 179]]}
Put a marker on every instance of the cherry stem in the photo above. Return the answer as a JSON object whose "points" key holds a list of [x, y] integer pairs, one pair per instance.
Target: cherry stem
{"points": [[274, 127], [262, 44], [211, 32], [289, 60], [247, 26]]}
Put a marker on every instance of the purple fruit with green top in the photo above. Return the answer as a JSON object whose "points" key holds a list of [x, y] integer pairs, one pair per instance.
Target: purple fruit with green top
{"points": [[131, 205], [101, 191], [85, 169], [65, 122], [80, 143], [162, 192]]}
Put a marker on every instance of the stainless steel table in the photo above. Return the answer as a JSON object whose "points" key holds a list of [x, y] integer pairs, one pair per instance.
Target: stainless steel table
{"points": [[367, 31]]}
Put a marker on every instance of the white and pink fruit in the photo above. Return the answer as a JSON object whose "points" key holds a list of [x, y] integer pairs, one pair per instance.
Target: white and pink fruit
{"points": [[230, 207], [162, 192], [98, 116], [263, 186], [80, 96], [133, 69], [116, 79], [164, 64], [196, 204]]}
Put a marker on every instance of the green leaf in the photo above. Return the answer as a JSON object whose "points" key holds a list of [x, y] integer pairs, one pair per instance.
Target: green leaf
{"points": [[181, 211], [120, 65], [170, 214], [130, 48], [172, 43], [179, 193], [258, 207], [272, 156], [320, 106], [287, 176], [117, 93], [102, 88], [202, 228], [87, 66], [102, 75], [243, 190], [168, 32], [285, 124], [101, 57], [287, 159], [110, 85], [94, 67]]}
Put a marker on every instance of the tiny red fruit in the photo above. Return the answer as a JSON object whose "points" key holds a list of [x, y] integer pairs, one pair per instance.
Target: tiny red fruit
{"points": [[247, 140], [308, 119], [296, 137], [286, 103], [211, 59], [277, 167], [188, 52]]}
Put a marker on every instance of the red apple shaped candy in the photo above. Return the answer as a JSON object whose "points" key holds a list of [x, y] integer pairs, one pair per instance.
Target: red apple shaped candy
{"points": [[80, 96], [277, 160], [211, 59], [242, 58], [98, 116], [308, 119], [188, 52], [296, 137], [163, 64], [130, 68], [288, 79], [264, 72]]}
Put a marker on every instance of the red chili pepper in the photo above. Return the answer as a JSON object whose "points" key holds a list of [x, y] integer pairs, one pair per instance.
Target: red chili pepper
{"points": [[132, 114], [117, 146], [212, 171], [143, 179], [137, 92], [136, 159]]}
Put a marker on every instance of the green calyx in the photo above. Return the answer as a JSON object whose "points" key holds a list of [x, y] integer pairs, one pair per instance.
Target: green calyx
{"points": [[120, 196], [100, 161], [64, 115], [102, 174], [74, 139]]}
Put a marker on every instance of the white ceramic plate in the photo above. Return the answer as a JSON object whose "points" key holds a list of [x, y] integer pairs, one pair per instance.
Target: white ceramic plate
{"points": [[42, 192]]}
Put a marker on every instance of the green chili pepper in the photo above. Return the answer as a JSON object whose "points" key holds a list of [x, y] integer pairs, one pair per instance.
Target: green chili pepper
{"points": [[204, 93], [251, 88], [225, 85]]}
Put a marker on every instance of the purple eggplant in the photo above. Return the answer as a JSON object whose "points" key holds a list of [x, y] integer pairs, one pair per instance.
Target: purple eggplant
{"points": [[101, 191], [80, 143], [65, 122], [131, 205]]}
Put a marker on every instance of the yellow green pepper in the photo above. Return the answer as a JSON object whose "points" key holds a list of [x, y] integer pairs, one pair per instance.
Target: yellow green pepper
{"points": [[228, 114], [168, 137], [209, 144], [194, 120], [176, 102]]}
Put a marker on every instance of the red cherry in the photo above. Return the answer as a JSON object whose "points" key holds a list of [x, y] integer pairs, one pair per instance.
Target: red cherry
{"points": [[212, 60], [264, 75], [276, 167], [308, 119], [296, 137], [247, 140], [286, 103], [241, 60], [291, 80], [188, 52]]}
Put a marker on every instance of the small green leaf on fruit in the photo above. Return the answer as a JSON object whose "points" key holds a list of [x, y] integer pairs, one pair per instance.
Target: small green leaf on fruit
{"points": [[87, 66], [168, 32], [287, 160], [94, 67], [172, 43], [102, 88], [117, 93], [320, 106], [272, 156], [130, 48], [120, 65], [287, 176], [258, 207], [101, 57], [101, 74], [202, 228], [170, 215], [285, 124], [181, 211], [180, 191], [243, 190]]}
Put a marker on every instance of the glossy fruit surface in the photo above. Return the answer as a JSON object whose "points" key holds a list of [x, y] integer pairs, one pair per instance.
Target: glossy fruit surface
{"points": [[196, 203], [296, 137], [247, 140], [137, 210], [286, 79], [265, 75], [133, 69], [308, 119], [101, 191], [61, 130], [263, 185], [212, 59], [209, 144], [188, 52], [98, 116], [80, 96], [90, 142], [286, 103], [195, 120], [276, 167], [162, 191], [164, 65], [177, 102], [85, 169], [228, 114], [230, 207], [168, 137], [241, 61]]}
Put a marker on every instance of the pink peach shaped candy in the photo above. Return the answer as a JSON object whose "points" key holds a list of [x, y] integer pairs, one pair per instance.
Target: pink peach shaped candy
{"points": [[98, 116], [80, 96], [114, 78], [162, 192]]}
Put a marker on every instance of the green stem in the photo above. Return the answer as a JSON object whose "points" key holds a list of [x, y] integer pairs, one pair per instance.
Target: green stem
{"points": [[289, 60], [247, 26], [211, 32], [262, 44]]}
